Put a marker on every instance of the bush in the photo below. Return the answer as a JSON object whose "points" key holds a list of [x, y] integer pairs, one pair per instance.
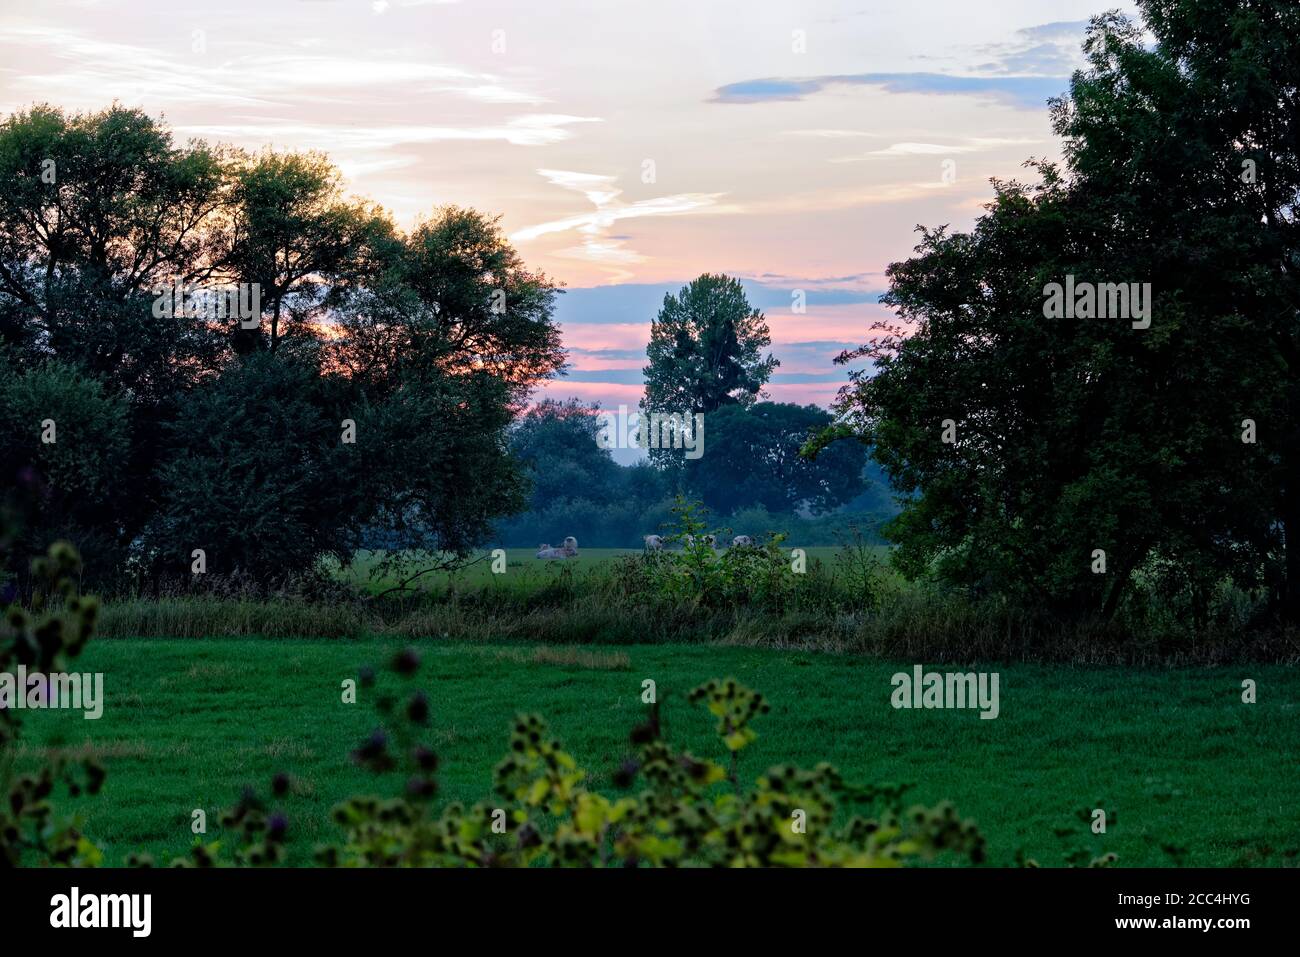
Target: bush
{"points": [[759, 575], [257, 477], [67, 488]]}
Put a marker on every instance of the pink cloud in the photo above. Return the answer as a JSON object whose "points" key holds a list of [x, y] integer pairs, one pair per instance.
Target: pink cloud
{"points": [[608, 394]]}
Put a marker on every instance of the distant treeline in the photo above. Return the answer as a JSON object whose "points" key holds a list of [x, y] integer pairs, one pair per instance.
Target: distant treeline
{"points": [[750, 478]]}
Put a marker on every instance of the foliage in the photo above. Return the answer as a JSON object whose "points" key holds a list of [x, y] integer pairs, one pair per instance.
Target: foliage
{"points": [[1077, 435], [577, 488], [705, 352], [126, 211], [428, 341], [752, 460], [62, 489], [45, 640], [293, 232], [701, 575]]}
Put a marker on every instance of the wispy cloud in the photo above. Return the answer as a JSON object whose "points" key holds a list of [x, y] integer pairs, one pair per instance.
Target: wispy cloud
{"points": [[253, 74], [599, 189], [832, 134], [974, 144], [1046, 49], [531, 130], [1022, 92]]}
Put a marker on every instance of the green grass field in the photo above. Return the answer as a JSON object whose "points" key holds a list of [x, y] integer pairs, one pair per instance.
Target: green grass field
{"points": [[1173, 755]]}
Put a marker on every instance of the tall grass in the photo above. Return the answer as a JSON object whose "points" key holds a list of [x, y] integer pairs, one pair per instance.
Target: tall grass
{"points": [[212, 617], [832, 607]]}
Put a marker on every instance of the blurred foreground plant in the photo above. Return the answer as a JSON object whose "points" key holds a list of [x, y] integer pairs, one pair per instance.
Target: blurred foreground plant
{"points": [[44, 640]]}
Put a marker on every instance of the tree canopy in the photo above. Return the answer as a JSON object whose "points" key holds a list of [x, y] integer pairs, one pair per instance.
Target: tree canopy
{"points": [[1055, 459], [751, 459], [373, 386], [706, 348]]}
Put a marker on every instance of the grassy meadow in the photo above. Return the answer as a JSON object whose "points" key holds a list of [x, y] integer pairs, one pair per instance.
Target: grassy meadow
{"points": [[1172, 754]]}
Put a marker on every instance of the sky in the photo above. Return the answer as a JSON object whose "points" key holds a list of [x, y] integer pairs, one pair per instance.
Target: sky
{"points": [[627, 146]]}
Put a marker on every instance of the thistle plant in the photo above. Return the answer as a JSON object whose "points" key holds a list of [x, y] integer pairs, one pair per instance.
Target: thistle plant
{"points": [[44, 639]]}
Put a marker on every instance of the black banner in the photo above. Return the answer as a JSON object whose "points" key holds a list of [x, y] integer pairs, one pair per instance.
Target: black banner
{"points": [[335, 906]]}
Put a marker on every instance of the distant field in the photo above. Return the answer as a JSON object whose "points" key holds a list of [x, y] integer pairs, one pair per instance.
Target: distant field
{"points": [[1173, 755], [522, 566]]}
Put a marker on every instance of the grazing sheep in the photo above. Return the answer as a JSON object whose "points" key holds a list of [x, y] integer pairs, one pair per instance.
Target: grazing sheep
{"points": [[710, 540], [568, 550], [654, 543], [742, 541]]}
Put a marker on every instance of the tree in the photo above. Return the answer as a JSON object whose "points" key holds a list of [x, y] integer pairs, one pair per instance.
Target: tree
{"points": [[257, 477], [1055, 457], [291, 231], [577, 488], [443, 346], [96, 211], [1196, 140], [705, 349], [64, 447], [751, 458], [428, 342], [437, 468], [480, 308], [557, 440]]}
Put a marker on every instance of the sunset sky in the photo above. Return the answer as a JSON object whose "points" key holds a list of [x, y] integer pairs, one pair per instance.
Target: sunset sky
{"points": [[627, 146]]}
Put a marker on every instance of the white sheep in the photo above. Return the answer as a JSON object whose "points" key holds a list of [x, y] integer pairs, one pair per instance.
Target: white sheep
{"points": [[742, 541], [654, 543], [568, 550]]}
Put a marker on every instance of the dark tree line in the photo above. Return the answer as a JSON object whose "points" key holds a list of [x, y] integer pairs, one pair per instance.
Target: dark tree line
{"points": [[750, 468], [1174, 449], [175, 430]]}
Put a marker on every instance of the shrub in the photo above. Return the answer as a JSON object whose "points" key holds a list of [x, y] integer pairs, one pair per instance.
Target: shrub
{"points": [[68, 488], [758, 575]]}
